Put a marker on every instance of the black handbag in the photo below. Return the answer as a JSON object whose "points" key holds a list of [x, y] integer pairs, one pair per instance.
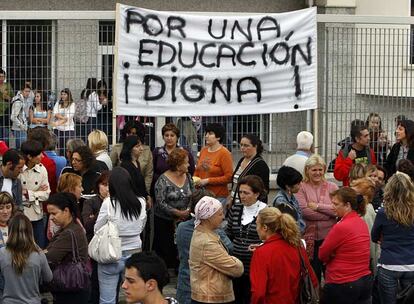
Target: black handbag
{"points": [[308, 294], [406, 295], [72, 276]]}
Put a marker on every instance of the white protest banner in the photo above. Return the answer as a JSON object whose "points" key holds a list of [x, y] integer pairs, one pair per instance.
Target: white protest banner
{"points": [[179, 64]]}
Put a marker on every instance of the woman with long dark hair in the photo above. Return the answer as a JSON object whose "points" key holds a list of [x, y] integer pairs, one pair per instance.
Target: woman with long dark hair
{"points": [[93, 104], [63, 113], [378, 137], [133, 127], [403, 148], [63, 210], [128, 212], [39, 115], [131, 151], [23, 265]]}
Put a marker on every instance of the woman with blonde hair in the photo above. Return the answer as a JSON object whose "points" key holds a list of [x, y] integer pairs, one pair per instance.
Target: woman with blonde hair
{"points": [[70, 182], [23, 265], [394, 230], [275, 269], [357, 171], [316, 206], [98, 143]]}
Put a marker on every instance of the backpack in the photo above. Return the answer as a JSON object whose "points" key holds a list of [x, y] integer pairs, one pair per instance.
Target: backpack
{"points": [[80, 111]]}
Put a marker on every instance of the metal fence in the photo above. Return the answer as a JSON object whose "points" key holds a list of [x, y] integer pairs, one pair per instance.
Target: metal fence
{"points": [[365, 67], [362, 68]]}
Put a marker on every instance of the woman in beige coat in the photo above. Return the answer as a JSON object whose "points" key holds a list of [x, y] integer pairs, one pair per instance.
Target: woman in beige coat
{"points": [[211, 267]]}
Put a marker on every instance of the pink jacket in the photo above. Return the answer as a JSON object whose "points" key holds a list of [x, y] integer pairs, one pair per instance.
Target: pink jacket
{"points": [[324, 217]]}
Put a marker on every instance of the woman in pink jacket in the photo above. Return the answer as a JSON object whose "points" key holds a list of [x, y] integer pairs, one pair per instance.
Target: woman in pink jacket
{"points": [[316, 205]]}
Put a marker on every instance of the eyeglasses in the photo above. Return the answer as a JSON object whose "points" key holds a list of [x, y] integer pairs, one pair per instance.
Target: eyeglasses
{"points": [[77, 160]]}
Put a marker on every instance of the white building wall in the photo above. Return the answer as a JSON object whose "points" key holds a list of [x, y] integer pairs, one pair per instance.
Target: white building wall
{"points": [[383, 7]]}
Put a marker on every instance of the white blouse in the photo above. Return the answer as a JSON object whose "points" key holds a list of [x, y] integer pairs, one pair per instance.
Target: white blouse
{"points": [[68, 112]]}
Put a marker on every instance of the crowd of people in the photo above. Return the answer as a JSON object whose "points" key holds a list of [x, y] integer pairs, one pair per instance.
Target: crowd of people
{"points": [[67, 115], [211, 223]]}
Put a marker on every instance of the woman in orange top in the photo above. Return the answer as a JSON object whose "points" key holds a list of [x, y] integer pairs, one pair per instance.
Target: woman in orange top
{"points": [[215, 164]]}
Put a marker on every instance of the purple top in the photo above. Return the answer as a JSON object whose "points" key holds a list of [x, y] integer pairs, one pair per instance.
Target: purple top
{"points": [[159, 158]]}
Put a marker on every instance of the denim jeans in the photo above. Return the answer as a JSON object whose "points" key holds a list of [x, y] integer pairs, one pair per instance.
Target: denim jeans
{"points": [[389, 282], [19, 136], [109, 276], [4, 134], [39, 232], [356, 292]]}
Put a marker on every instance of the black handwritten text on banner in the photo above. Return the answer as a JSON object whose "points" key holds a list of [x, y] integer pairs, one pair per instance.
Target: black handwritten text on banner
{"points": [[171, 64]]}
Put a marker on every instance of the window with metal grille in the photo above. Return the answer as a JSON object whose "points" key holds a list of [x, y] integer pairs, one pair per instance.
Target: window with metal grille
{"points": [[29, 53], [106, 32]]}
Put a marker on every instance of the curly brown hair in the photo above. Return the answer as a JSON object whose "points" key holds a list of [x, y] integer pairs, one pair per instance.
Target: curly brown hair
{"points": [[176, 158]]}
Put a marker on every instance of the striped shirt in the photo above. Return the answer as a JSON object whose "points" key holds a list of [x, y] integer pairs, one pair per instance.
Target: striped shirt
{"points": [[243, 236]]}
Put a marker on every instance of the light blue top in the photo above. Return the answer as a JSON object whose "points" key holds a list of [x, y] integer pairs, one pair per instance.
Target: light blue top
{"points": [[38, 114]]}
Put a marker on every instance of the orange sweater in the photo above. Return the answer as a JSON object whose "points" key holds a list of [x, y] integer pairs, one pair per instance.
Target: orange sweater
{"points": [[218, 168]]}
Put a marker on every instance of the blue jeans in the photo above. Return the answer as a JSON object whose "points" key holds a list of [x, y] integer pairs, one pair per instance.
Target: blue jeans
{"points": [[109, 276], [39, 233], [4, 134], [20, 136], [389, 282]]}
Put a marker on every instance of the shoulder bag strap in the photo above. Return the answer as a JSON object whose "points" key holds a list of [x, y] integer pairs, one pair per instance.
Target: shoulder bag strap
{"points": [[75, 248], [252, 162], [303, 268]]}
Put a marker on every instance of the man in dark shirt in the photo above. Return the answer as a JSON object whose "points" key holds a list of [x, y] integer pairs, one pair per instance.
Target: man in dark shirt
{"points": [[12, 165]]}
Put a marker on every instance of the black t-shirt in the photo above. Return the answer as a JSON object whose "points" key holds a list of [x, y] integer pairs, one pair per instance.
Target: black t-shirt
{"points": [[362, 157]]}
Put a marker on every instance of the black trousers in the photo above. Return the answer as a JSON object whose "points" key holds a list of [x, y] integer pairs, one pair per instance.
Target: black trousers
{"points": [[356, 292], [164, 244], [80, 297], [316, 264], [242, 289]]}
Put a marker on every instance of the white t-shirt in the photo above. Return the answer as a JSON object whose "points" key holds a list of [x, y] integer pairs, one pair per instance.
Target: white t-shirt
{"points": [[4, 230], [68, 112], [7, 186], [93, 105]]}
